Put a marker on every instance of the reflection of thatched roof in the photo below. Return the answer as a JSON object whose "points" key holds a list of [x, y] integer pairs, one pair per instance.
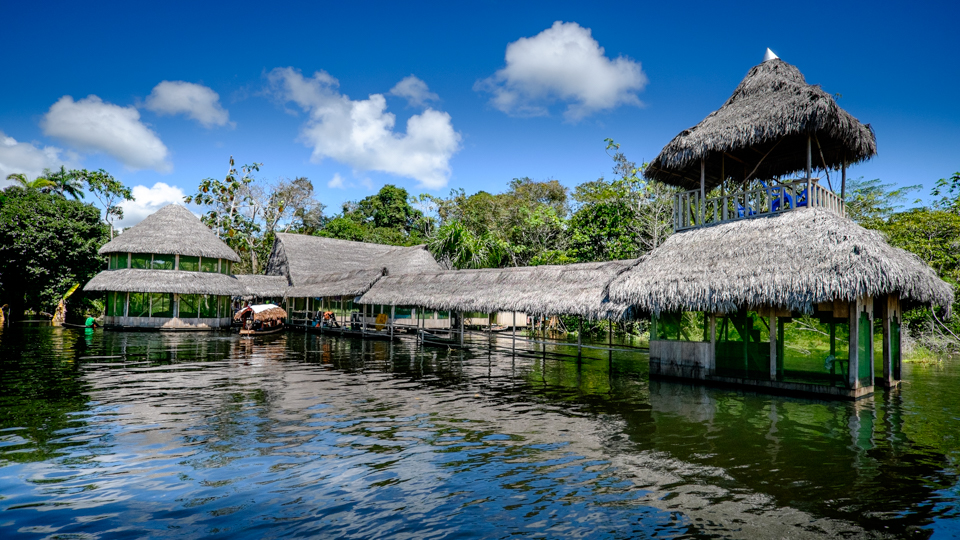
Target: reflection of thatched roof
{"points": [[317, 266], [576, 289], [264, 314], [792, 260], [773, 105], [171, 230], [168, 281], [257, 286]]}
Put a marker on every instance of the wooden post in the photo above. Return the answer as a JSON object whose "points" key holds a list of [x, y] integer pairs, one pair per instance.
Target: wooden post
{"points": [[712, 366], [579, 334], [843, 181], [703, 192], [809, 162], [363, 320], [887, 352], [393, 314], [853, 347], [773, 345], [514, 330], [461, 328]]}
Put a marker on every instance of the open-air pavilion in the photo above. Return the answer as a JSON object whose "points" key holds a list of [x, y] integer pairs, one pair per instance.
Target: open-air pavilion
{"points": [[766, 283]]}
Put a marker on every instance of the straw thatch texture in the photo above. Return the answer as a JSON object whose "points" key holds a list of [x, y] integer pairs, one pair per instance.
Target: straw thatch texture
{"points": [[773, 105], [336, 284], [792, 260], [165, 281], [257, 286], [171, 230], [276, 313], [301, 257], [576, 289]]}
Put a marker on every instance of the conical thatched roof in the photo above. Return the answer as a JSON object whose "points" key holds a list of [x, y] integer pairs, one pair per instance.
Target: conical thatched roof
{"points": [[317, 266], [792, 260], [171, 230], [772, 110], [165, 281], [576, 289]]}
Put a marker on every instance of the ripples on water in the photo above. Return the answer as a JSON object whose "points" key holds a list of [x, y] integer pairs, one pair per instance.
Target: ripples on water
{"points": [[197, 435]]}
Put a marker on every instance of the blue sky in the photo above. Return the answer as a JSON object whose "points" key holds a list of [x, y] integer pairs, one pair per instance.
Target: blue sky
{"points": [[165, 93]]}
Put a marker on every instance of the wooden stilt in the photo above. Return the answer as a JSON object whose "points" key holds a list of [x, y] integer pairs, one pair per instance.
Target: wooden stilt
{"points": [[703, 193], [461, 328], [887, 352], [393, 314], [514, 337], [853, 346], [773, 347], [579, 335]]}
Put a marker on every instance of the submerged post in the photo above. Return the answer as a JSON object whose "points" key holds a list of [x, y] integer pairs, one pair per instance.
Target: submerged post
{"points": [[579, 334]]}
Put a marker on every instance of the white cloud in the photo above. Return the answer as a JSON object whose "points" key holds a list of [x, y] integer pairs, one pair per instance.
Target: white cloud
{"points": [[336, 182], [563, 63], [94, 125], [29, 159], [195, 100], [148, 200], [360, 133], [414, 91]]}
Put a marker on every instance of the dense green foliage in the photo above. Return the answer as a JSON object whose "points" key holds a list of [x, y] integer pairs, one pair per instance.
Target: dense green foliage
{"points": [[48, 243]]}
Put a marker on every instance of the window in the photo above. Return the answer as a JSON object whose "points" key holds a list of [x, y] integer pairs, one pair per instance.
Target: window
{"points": [[115, 302], [140, 260], [208, 306], [225, 267], [163, 262], [117, 261], [161, 304], [189, 306], [139, 305], [403, 312], [209, 265], [189, 264], [424, 314], [681, 326], [225, 310]]}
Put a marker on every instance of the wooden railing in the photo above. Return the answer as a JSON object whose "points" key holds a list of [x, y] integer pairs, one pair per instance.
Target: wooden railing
{"points": [[690, 211]]}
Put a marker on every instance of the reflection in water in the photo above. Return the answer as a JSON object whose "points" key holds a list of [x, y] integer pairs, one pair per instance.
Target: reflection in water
{"points": [[135, 434]]}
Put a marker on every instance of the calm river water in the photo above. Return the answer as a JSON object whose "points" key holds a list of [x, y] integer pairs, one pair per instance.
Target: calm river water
{"points": [[128, 435]]}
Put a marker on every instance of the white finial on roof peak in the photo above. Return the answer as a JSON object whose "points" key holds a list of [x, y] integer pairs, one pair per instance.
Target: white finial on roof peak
{"points": [[769, 55]]}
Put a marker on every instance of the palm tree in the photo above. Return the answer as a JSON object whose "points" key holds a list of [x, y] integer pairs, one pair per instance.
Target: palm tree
{"points": [[65, 183], [40, 183]]}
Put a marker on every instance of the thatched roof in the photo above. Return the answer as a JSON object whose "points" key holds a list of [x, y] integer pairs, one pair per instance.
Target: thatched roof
{"points": [[792, 260], [165, 281], [257, 286], [262, 312], [349, 283], [317, 266], [576, 289], [772, 110], [171, 230]]}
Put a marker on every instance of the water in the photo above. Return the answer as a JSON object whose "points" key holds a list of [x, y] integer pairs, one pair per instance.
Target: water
{"points": [[207, 435]]}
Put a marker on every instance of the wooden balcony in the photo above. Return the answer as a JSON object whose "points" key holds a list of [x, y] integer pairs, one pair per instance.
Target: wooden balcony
{"points": [[690, 210]]}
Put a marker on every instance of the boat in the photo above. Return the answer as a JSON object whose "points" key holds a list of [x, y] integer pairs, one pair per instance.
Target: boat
{"points": [[260, 319], [429, 338]]}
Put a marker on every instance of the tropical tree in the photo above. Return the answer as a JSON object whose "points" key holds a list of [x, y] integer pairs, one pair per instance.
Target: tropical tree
{"points": [[47, 244], [39, 184], [65, 182], [109, 191]]}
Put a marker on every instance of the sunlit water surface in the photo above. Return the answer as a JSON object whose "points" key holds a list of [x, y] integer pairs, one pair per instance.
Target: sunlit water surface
{"points": [[127, 435]]}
